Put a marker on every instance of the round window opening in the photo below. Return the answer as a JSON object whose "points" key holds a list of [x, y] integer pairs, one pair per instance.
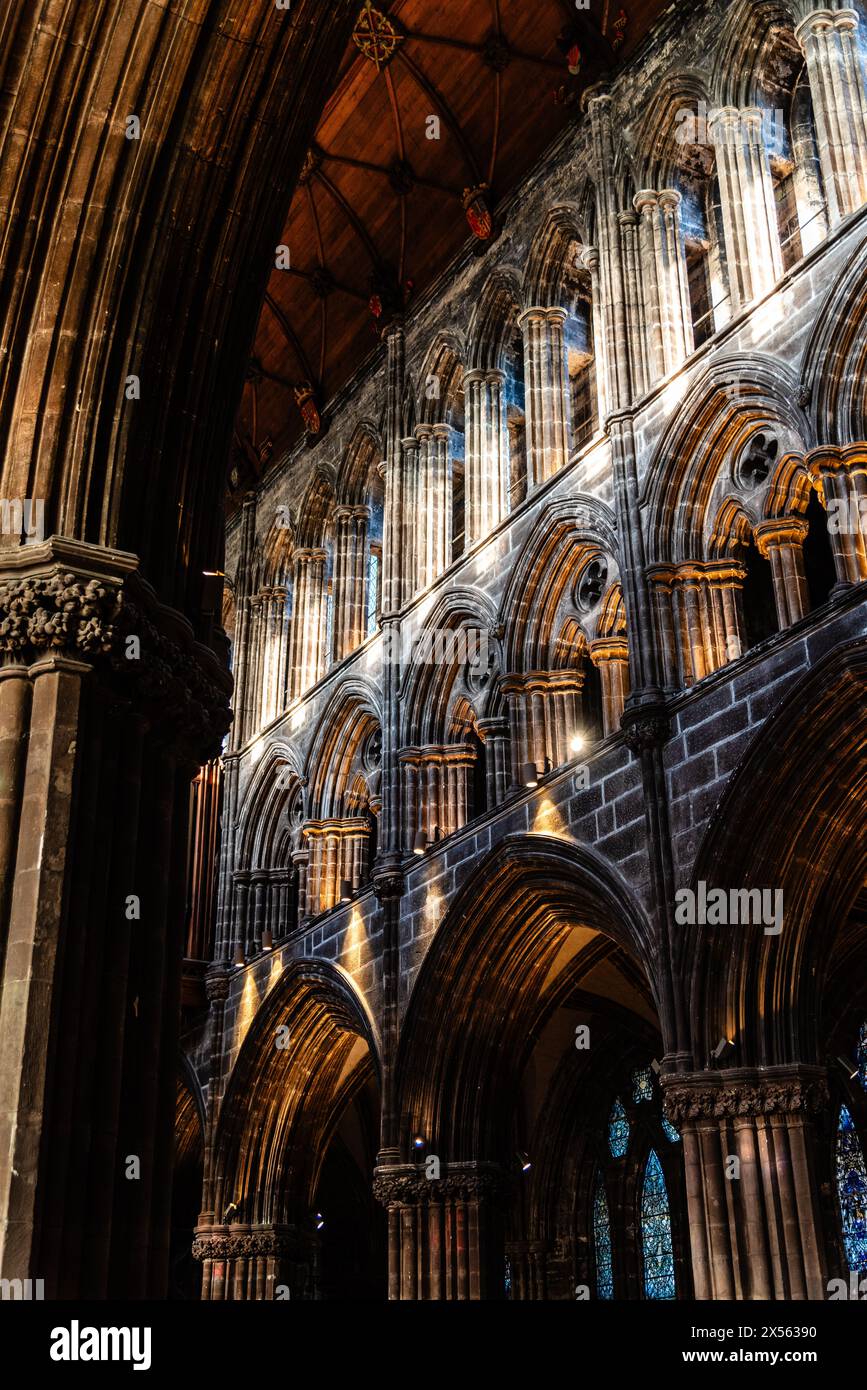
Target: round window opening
{"points": [[591, 585]]}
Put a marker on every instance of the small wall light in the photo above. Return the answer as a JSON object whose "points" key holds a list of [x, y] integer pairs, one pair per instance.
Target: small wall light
{"points": [[724, 1048], [419, 844], [239, 955], [530, 775], [524, 1160], [577, 743], [267, 939], [418, 1141], [345, 890]]}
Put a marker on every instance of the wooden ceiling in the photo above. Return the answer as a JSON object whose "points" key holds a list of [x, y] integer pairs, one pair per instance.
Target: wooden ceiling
{"points": [[379, 210]]}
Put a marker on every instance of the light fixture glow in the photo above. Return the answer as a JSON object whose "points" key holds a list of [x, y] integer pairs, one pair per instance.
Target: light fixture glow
{"points": [[239, 955], [524, 1160], [419, 844], [530, 775], [418, 1141], [267, 939], [578, 743], [345, 891]]}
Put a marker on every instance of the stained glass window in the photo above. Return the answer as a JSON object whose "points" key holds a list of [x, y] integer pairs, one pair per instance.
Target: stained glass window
{"points": [[669, 1131], [656, 1244], [372, 591], [618, 1130], [861, 1055], [852, 1192], [642, 1085], [602, 1241], [329, 627], [508, 1278]]}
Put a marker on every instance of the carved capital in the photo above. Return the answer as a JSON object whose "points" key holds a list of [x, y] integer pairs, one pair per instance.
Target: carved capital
{"points": [[732, 1094], [406, 1184]]}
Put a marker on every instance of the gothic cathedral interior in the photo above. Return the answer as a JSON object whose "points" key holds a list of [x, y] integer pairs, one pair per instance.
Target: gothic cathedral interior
{"points": [[433, 620]]}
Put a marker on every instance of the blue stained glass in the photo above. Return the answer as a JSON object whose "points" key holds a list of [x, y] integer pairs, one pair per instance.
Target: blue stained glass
{"points": [[861, 1055], [669, 1131], [852, 1192], [656, 1242], [618, 1130], [372, 591], [508, 1278], [329, 628], [602, 1241], [642, 1085]]}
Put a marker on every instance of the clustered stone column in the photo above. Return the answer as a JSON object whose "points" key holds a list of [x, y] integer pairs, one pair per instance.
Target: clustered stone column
{"points": [[433, 503], [256, 1263], [610, 656], [829, 39], [338, 853], [781, 542], [591, 260], [667, 315], [350, 553], [270, 643], [410, 531], [307, 646], [261, 898], [634, 311], [752, 237], [108, 707], [699, 617], [841, 477], [434, 789], [544, 716], [754, 1224], [494, 733], [445, 1234], [546, 385], [487, 453]]}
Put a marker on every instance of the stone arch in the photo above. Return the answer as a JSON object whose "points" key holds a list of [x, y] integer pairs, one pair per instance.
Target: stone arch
{"points": [[503, 956], [748, 36], [790, 820], [444, 364], [692, 465], [834, 371], [566, 536], [660, 147], [456, 633], [363, 454], [334, 760], [547, 261], [315, 511], [281, 1101], [494, 319], [274, 786]]}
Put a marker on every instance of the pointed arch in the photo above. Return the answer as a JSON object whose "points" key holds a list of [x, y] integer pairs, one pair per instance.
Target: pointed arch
{"points": [[693, 466], [568, 535], [805, 838], [455, 636], [336, 759], [290, 1098], [494, 320], [315, 511], [552, 255], [834, 372], [362, 455], [504, 956], [444, 364]]}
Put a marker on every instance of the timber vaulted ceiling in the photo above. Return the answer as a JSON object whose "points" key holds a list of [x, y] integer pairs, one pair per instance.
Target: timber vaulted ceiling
{"points": [[381, 206]]}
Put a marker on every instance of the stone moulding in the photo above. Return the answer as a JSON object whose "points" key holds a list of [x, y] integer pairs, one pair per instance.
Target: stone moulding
{"points": [[406, 1184], [784, 1093], [68, 599]]}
